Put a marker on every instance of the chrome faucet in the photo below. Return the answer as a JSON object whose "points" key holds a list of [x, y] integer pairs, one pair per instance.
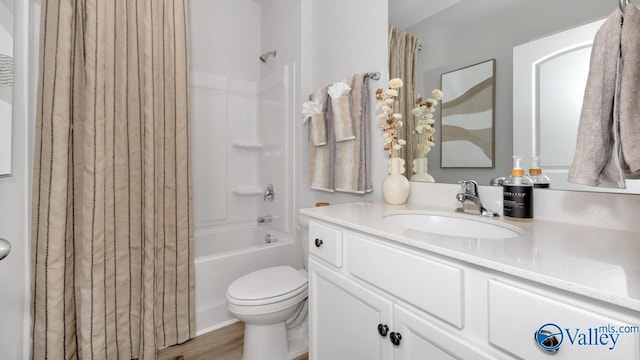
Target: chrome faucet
{"points": [[470, 193], [265, 219]]}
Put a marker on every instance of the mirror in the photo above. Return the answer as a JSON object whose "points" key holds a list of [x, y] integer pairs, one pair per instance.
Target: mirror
{"points": [[6, 84], [549, 80], [469, 32]]}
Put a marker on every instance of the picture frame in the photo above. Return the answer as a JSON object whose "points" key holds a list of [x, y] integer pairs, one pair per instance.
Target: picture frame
{"points": [[467, 128]]}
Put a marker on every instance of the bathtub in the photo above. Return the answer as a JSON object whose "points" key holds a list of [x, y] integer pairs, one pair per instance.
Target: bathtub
{"points": [[226, 253]]}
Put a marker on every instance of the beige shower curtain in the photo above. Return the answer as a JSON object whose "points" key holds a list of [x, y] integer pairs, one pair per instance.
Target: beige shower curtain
{"points": [[112, 249], [403, 49]]}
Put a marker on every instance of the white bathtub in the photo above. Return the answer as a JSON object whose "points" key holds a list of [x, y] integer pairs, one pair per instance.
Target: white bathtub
{"points": [[223, 255]]}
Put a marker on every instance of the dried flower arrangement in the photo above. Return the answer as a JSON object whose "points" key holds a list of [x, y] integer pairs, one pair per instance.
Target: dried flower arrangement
{"points": [[391, 121], [424, 122]]}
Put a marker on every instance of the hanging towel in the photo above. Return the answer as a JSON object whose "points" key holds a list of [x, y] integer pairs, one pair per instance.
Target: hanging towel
{"points": [[597, 157], [352, 169], [317, 127], [341, 107], [630, 93], [320, 164]]}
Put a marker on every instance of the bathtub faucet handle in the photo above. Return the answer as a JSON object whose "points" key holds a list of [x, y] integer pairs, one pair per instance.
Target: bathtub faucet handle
{"points": [[265, 219], [269, 193]]}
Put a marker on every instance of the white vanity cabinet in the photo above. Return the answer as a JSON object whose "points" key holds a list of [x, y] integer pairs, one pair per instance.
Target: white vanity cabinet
{"points": [[373, 298], [353, 317]]}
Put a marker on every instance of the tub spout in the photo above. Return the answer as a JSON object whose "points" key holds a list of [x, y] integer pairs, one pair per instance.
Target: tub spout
{"points": [[265, 219]]}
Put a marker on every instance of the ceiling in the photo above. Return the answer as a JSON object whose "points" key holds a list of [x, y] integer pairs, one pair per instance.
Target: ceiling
{"points": [[406, 13]]}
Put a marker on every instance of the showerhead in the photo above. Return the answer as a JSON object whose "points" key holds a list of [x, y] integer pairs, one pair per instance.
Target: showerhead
{"points": [[266, 55]]}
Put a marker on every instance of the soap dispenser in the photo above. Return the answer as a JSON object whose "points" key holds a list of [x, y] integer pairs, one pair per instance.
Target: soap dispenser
{"points": [[535, 173], [518, 193]]}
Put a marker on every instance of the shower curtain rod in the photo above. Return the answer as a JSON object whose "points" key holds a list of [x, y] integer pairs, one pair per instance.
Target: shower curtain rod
{"points": [[623, 4]]}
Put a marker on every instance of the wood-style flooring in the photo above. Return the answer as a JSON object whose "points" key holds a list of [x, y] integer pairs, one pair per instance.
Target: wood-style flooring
{"points": [[222, 344]]}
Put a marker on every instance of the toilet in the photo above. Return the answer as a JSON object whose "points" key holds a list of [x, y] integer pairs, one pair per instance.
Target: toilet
{"points": [[270, 301]]}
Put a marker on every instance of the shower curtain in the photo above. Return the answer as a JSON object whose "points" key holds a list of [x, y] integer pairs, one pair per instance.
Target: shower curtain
{"points": [[403, 49], [112, 250]]}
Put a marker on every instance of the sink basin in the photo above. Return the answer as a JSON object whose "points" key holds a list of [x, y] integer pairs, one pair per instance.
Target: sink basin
{"points": [[453, 224]]}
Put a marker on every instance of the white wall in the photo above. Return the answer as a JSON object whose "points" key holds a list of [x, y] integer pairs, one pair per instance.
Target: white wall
{"points": [[6, 48], [225, 37], [14, 207], [341, 38]]}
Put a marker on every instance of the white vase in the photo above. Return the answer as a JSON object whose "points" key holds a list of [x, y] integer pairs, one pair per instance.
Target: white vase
{"points": [[420, 171], [395, 186]]}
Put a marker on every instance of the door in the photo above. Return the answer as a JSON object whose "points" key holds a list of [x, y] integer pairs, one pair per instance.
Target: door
{"points": [[344, 318]]}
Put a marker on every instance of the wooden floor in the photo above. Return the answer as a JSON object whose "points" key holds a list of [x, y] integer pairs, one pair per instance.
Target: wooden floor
{"points": [[222, 344]]}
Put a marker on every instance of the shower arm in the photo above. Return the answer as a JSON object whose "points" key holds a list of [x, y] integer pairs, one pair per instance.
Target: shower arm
{"points": [[266, 55]]}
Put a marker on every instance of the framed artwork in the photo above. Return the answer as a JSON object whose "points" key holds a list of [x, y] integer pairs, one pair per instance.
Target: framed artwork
{"points": [[467, 119]]}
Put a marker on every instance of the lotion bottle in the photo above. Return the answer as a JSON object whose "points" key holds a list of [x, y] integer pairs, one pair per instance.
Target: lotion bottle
{"points": [[535, 173], [518, 194]]}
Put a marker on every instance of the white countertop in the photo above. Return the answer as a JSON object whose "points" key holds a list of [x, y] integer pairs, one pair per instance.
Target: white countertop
{"points": [[599, 263]]}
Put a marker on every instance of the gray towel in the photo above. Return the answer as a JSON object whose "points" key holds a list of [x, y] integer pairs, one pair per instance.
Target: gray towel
{"points": [[630, 93], [597, 158], [318, 129], [352, 169], [320, 157]]}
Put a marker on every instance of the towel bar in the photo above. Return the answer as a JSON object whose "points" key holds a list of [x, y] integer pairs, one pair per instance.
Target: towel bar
{"points": [[374, 75]]}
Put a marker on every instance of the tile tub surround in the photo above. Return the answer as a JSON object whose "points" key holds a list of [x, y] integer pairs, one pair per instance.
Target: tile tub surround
{"points": [[599, 263]]}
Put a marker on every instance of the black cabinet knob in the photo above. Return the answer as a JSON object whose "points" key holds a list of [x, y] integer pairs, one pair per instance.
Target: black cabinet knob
{"points": [[383, 329], [318, 242], [395, 338]]}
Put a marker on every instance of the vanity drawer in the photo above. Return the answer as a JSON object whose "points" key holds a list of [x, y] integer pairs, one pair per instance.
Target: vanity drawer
{"points": [[325, 242], [516, 314], [433, 286]]}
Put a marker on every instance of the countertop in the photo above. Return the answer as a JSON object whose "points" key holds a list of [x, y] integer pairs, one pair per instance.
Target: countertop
{"points": [[592, 261]]}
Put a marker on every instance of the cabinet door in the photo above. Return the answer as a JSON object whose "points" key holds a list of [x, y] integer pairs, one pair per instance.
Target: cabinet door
{"points": [[424, 340], [344, 318]]}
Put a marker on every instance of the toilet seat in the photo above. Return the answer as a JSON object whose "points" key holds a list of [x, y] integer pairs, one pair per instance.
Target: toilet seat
{"points": [[267, 286]]}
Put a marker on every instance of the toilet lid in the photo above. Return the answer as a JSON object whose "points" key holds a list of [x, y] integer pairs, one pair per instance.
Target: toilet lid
{"points": [[270, 283]]}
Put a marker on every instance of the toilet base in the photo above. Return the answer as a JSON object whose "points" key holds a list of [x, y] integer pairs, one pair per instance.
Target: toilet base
{"points": [[298, 339], [265, 342]]}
